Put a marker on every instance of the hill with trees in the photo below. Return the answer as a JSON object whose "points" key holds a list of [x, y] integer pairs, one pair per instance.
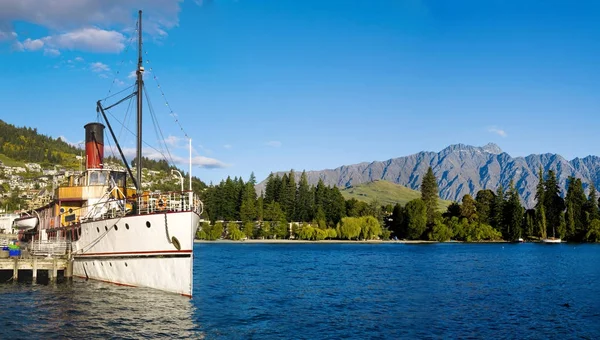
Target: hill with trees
{"points": [[24, 144]]}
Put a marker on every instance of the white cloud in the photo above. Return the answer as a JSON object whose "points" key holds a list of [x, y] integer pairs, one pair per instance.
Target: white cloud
{"points": [[99, 67], [7, 35], [498, 131], [87, 25], [85, 39], [227, 146], [200, 161], [274, 143], [78, 59], [51, 52], [172, 140], [205, 162], [69, 14], [90, 39], [29, 45]]}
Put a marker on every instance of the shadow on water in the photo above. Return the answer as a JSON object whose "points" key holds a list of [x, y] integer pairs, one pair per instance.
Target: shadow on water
{"points": [[90, 309]]}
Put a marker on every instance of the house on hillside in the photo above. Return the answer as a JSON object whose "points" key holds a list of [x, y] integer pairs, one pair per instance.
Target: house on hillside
{"points": [[33, 167], [49, 172]]}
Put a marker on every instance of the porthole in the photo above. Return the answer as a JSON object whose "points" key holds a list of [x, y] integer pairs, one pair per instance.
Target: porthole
{"points": [[125, 264], [148, 224], [126, 226], [110, 263], [116, 228], [62, 210], [70, 210], [98, 229], [106, 228]]}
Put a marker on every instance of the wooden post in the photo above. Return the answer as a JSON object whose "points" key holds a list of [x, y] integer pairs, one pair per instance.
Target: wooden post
{"points": [[16, 270], [34, 274], [69, 269], [54, 271]]}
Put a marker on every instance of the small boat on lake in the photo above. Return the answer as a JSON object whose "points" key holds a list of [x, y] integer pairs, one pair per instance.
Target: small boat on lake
{"points": [[551, 240]]}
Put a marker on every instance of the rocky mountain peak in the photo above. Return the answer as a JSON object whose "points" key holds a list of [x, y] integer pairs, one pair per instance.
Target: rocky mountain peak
{"points": [[472, 169]]}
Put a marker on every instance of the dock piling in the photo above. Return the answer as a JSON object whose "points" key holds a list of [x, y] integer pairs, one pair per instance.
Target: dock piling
{"points": [[16, 270], [34, 273]]}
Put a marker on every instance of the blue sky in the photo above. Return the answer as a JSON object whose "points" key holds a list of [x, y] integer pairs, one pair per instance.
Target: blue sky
{"points": [[268, 85]]}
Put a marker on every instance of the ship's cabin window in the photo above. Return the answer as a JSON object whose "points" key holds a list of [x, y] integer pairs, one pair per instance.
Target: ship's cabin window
{"points": [[98, 178], [118, 177]]}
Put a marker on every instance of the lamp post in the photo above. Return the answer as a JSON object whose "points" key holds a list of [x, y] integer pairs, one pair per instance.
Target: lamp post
{"points": [[173, 171]]}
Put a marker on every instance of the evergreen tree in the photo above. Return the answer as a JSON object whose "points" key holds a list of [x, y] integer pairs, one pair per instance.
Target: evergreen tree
{"points": [[483, 204], [468, 209], [430, 195], [529, 223], [512, 214], [248, 206], [576, 204], [397, 223], [498, 209], [553, 203], [592, 204], [288, 200], [305, 200], [540, 210], [541, 222], [260, 208], [336, 209], [416, 219]]}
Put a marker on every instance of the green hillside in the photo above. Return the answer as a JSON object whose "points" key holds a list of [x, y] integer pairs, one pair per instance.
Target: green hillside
{"points": [[385, 193], [24, 144]]}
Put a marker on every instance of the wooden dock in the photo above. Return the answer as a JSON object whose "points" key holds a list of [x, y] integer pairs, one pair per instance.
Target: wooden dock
{"points": [[34, 264]]}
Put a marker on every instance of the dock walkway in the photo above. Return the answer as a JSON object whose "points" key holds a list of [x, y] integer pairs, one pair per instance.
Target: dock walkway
{"points": [[34, 264]]}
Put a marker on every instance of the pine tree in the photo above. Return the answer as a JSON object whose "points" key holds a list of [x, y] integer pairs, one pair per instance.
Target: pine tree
{"points": [[498, 209], [468, 209], [540, 210], [553, 203], [305, 200], [483, 203], [248, 206], [512, 214], [576, 209], [592, 206], [430, 194]]}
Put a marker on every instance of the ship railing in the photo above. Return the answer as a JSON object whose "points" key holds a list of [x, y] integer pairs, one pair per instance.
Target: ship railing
{"points": [[52, 247], [168, 202]]}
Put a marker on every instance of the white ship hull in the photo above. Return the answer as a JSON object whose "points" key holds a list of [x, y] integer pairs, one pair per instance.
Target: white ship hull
{"points": [[153, 250]]}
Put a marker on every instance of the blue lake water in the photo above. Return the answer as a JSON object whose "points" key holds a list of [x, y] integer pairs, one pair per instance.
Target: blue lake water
{"points": [[332, 291]]}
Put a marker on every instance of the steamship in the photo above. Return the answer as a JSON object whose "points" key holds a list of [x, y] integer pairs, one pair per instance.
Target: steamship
{"points": [[118, 232]]}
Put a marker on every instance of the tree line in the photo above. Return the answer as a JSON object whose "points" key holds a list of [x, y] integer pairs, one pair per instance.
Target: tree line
{"points": [[317, 212], [500, 216], [321, 212]]}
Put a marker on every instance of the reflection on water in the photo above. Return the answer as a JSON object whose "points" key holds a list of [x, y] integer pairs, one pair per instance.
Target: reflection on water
{"points": [[81, 309]]}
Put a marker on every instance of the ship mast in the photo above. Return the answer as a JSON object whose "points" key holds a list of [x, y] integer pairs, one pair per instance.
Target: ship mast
{"points": [[140, 85]]}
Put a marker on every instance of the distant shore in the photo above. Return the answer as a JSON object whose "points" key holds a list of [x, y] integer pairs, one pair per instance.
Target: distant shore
{"points": [[306, 241], [274, 241]]}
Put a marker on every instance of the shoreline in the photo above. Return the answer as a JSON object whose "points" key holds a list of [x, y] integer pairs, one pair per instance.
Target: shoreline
{"points": [[286, 241]]}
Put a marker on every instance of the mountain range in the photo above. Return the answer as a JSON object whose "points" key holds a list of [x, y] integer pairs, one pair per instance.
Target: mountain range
{"points": [[462, 169]]}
